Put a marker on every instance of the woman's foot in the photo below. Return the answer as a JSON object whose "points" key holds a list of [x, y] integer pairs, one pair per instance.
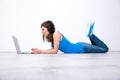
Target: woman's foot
{"points": [[91, 29]]}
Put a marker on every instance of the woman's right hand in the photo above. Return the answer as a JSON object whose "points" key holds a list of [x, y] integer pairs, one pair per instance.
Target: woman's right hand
{"points": [[35, 51]]}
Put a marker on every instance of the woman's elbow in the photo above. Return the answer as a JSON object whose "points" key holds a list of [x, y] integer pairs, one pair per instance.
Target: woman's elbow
{"points": [[55, 51]]}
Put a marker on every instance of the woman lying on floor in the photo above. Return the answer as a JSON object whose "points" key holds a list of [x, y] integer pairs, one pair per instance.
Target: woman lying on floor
{"points": [[59, 42]]}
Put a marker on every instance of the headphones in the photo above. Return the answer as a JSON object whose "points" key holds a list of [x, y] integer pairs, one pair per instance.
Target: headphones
{"points": [[51, 27]]}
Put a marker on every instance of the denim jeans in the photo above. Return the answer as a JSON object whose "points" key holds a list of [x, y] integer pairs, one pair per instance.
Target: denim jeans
{"points": [[97, 45]]}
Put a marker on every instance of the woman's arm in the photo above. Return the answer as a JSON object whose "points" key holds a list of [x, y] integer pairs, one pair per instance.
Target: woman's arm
{"points": [[57, 37]]}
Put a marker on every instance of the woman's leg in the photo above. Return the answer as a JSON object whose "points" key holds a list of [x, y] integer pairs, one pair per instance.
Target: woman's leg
{"points": [[97, 45], [97, 42]]}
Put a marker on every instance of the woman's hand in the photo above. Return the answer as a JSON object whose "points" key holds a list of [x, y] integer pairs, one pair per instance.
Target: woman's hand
{"points": [[36, 51]]}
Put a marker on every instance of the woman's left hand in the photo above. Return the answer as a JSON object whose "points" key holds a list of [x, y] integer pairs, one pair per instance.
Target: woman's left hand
{"points": [[36, 51]]}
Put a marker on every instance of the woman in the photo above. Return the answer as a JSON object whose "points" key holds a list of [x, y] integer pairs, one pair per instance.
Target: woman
{"points": [[59, 42]]}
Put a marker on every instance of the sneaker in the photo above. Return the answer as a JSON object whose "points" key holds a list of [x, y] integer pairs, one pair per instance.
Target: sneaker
{"points": [[91, 29]]}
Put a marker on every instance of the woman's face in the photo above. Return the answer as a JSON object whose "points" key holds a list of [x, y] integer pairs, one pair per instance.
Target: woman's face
{"points": [[44, 31]]}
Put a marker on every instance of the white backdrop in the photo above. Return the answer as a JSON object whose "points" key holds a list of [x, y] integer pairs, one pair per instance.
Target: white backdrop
{"points": [[23, 18]]}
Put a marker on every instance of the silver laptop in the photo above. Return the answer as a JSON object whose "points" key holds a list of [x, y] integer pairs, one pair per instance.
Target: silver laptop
{"points": [[17, 46]]}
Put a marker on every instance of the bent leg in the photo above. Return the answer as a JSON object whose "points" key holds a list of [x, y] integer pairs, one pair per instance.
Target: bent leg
{"points": [[88, 48], [97, 45], [97, 42]]}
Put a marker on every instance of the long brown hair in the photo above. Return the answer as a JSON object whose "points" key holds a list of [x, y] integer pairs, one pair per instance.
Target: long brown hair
{"points": [[51, 28]]}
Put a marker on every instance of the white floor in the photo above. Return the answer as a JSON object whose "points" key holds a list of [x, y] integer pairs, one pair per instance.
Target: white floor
{"points": [[60, 66]]}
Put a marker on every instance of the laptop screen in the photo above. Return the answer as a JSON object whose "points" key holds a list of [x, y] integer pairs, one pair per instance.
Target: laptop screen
{"points": [[16, 44]]}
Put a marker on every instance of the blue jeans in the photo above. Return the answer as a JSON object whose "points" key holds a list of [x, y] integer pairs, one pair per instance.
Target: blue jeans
{"points": [[97, 45]]}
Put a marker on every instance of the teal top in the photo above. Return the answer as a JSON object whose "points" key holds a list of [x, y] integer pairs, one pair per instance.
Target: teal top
{"points": [[68, 47]]}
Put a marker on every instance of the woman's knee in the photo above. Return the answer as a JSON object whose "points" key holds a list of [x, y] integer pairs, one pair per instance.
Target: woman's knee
{"points": [[106, 50]]}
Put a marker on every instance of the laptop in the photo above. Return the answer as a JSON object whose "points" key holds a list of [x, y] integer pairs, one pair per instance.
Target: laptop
{"points": [[17, 46]]}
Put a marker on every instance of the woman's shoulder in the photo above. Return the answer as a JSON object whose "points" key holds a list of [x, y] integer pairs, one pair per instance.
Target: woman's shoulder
{"points": [[57, 34]]}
